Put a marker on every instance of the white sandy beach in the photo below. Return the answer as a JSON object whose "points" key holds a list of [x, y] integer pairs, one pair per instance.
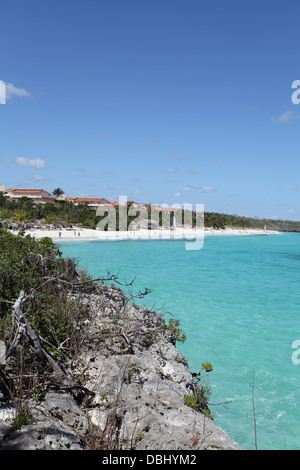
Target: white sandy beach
{"points": [[189, 234]]}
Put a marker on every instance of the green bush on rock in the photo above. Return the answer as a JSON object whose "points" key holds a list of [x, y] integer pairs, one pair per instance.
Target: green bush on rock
{"points": [[36, 267]]}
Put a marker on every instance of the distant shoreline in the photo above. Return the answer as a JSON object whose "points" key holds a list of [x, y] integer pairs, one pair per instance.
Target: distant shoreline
{"points": [[82, 234]]}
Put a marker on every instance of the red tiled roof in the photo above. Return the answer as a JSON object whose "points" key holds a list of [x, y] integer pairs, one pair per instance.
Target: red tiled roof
{"points": [[26, 191], [114, 203], [140, 204], [87, 199], [167, 209], [92, 199]]}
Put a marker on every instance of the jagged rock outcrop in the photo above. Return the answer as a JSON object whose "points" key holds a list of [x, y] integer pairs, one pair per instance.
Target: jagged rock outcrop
{"points": [[138, 378]]}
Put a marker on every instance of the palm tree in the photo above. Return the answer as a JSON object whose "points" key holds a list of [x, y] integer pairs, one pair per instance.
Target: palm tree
{"points": [[21, 217], [58, 192], [50, 219]]}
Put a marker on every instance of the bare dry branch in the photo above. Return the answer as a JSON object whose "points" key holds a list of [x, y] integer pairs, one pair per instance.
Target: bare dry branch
{"points": [[24, 331]]}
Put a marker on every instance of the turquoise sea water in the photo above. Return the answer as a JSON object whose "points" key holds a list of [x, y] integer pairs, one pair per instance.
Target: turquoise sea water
{"points": [[238, 302]]}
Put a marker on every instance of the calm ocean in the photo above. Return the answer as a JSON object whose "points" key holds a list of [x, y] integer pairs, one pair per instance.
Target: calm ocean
{"points": [[238, 302]]}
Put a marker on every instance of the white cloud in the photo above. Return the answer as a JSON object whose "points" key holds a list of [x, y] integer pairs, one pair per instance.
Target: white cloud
{"points": [[113, 187], [179, 170], [174, 170], [285, 118], [177, 157], [201, 188], [177, 195], [102, 175], [36, 178], [36, 162], [11, 90]]}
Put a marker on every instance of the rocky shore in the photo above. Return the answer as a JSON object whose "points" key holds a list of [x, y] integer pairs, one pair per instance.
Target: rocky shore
{"points": [[137, 380]]}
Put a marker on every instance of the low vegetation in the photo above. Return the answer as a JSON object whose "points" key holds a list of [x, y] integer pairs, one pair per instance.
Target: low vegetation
{"points": [[35, 284]]}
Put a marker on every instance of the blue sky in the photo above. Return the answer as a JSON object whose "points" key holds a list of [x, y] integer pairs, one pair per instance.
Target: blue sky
{"points": [[164, 101]]}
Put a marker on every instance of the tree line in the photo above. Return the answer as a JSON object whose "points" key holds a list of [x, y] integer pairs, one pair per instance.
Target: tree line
{"points": [[61, 212]]}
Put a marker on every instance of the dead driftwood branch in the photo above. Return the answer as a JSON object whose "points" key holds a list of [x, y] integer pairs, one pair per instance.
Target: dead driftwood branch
{"points": [[22, 331]]}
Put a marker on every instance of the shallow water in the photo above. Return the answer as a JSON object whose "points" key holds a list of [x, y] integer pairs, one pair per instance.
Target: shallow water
{"points": [[238, 302]]}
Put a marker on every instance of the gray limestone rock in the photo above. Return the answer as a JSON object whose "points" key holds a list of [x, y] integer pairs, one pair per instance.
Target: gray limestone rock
{"points": [[139, 380]]}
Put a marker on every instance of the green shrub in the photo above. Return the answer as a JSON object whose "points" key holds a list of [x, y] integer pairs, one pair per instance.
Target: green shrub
{"points": [[174, 325], [33, 266], [150, 338], [23, 418], [199, 400]]}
